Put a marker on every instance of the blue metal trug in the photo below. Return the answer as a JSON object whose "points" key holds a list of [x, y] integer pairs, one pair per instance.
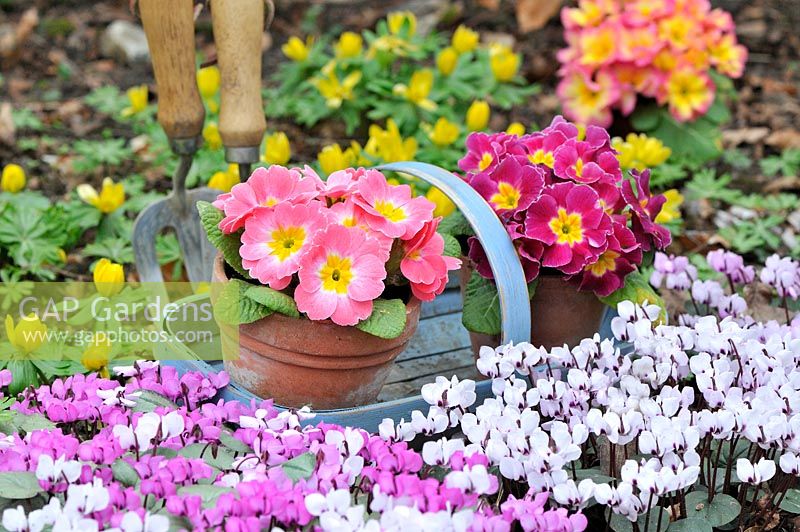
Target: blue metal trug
{"points": [[515, 310]]}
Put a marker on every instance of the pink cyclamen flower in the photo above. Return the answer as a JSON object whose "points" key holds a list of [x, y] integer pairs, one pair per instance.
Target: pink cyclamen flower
{"points": [[644, 209], [569, 221], [274, 241], [340, 276], [486, 151], [608, 272], [424, 264], [732, 266], [266, 188], [391, 209], [510, 186]]}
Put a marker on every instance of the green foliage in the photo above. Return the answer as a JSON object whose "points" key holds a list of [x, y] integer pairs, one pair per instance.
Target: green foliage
{"points": [[723, 509], [388, 319], [228, 244], [26, 119], [791, 501], [92, 154], [300, 467], [107, 99], [786, 164], [481, 312], [273, 300], [235, 308], [19, 485], [636, 289]]}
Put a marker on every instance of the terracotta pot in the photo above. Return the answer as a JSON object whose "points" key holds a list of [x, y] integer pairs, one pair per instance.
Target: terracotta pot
{"points": [[318, 363], [560, 314]]}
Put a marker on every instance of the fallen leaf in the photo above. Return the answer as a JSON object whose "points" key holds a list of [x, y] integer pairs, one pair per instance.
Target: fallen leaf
{"points": [[780, 184], [7, 129], [13, 41], [746, 135], [494, 5], [533, 14], [784, 139]]}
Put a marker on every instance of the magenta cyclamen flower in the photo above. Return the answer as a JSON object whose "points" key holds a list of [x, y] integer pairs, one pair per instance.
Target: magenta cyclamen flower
{"points": [[266, 188], [569, 221]]}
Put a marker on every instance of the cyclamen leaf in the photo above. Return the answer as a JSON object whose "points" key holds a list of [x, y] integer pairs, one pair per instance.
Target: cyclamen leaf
{"points": [[690, 524], [209, 493], [636, 289], [481, 306], [124, 472], [301, 466], [387, 321], [273, 300], [228, 245], [19, 485], [791, 501], [235, 308], [148, 401], [228, 440], [223, 460], [723, 509]]}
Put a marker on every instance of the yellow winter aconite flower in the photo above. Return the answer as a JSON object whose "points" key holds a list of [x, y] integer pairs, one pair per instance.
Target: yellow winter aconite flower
{"points": [[109, 277], [504, 63], [277, 149], [515, 128], [211, 136], [443, 204], [402, 23], [446, 61], [465, 39], [336, 91], [28, 335], [640, 151], [349, 45], [332, 158], [418, 89], [208, 80], [388, 145], [97, 354], [12, 179], [671, 210], [223, 181], [110, 198], [444, 132], [478, 115], [137, 98], [297, 50]]}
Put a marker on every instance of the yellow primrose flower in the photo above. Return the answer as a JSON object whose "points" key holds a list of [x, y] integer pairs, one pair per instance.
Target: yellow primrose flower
{"points": [[208, 80], [110, 198], [13, 178], [223, 181], [504, 63], [297, 50], [443, 204], [211, 136], [446, 61], [515, 128], [109, 277], [478, 115], [418, 89], [388, 145], [640, 151], [97, 354], [332, 89], [137, 98], [465, 39], [671, 210], [349, 45], [28, 335], [332, 159], [688, 94], [277, 149], [402, 19], [444, 132]]}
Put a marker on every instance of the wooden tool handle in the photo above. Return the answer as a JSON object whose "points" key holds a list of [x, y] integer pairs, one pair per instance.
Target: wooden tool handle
{"points": [[169, 26], [238, 31]]}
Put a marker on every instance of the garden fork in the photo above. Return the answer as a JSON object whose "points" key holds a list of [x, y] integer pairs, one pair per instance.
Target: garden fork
{"points": [[169, 26]]}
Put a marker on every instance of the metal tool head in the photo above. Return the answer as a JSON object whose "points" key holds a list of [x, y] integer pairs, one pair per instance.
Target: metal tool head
{"points": [[178, 212]]}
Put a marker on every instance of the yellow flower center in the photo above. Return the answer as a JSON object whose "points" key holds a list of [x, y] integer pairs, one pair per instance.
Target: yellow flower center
{"points": [[270, 202], [507, 196], [286, 241], [388, 210], [579, 167], [542, 157], [336, 274], [606, 263], [567, 227], [485, 161]]}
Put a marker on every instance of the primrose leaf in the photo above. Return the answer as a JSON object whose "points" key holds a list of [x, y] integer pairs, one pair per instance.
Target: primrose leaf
{"points": [[228, 245], [273, 300], [388, 319], [235, 308], [481, 306]]}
